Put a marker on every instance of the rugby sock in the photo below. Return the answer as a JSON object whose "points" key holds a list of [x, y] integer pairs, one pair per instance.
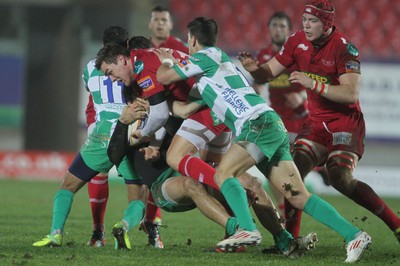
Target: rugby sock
{"points": [[326, 214], [153, 212], [292, 219], [198, 170], [235, 195], [365, 196], [61, 207], [283, 239], [134, 213], [98, 197], [231, 226]]}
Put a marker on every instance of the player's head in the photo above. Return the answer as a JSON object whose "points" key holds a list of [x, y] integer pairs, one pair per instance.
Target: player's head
{"points": [[202, 30], [318, 20], [323, 10], [114, 61], [279, 25], [139, 42], [115, 34], [160, 23]]}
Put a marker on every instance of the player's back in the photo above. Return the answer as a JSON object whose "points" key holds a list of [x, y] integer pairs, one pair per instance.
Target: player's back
{"points": [[107, 95]]}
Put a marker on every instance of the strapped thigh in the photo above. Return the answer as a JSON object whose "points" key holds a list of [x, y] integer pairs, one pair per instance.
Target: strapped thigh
{"points": [[309, 149], [342, 159]]}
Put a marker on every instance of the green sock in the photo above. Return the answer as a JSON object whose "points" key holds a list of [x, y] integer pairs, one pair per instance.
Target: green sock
{"points": [[134, 213], [231, 225], [326, 214], [235, 195], [61, 206], [283, 239]]}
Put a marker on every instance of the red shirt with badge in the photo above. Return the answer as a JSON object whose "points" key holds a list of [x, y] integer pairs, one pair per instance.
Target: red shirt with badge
{"points": [[281, 86], [325, 64], [173, 43], [146, 63]]}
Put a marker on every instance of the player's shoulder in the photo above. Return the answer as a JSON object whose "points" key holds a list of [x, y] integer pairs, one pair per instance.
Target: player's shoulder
{"points": [[90, 69], [342, 44]]}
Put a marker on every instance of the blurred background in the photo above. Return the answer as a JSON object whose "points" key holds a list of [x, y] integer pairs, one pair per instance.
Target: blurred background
{"points": [[44, 45]]}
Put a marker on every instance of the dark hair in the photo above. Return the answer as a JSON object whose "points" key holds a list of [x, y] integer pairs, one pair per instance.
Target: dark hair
{"points": [[160, 9], [281, 15], [205, 30], [139, 42], [109, 54], [115, 34]]}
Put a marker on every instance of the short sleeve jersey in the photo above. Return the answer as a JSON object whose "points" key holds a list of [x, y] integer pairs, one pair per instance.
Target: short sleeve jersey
{"points": [[280, 86], [223, 87], [325, 64], [173, 43], [146, 63], [107, 95]]}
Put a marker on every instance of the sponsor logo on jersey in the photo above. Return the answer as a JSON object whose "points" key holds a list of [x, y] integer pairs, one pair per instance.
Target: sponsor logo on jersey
{"points": [[235, 101], [280, 82], [183, 63], [325, 80], [138, 66], [146, 83], [352, 49], [194, 59], [342, 138], [302, 46], [352, 67]]}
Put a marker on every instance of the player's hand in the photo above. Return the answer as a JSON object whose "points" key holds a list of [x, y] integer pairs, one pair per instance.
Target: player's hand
{"points": [[248, 61], [143, 103], [137, 134], [301, 78], [151, 153], [163, 53], [132, 112]]}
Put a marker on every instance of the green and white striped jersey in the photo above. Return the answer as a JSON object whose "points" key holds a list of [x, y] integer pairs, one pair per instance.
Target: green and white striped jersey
{"points": [[223, 87], [107, 95]]}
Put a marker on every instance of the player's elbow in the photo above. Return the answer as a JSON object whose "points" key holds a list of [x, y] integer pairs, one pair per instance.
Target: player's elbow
{"points": [[163, 79]]}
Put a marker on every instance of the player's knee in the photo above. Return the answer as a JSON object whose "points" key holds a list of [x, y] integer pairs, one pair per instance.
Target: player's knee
{"points": [[305, 156], [173, 160], [340, 166], [192, 187]]}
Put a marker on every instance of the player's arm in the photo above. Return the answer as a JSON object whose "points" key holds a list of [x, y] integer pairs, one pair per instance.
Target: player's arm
{"points": [[346, 92], [165, 73], [184, 109], [158, 116], [261, 73], [118, 145]]}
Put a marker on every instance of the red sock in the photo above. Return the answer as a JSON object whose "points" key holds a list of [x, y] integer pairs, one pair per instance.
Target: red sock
{"points": [[197, 169], [98, 197], [152, 210], [365, 196], [292, 219]]}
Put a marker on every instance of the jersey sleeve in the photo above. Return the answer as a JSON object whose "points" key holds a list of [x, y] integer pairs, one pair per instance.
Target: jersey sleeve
{"points": [[192, 66], [285, 55], [147, 79], [348, 59]]}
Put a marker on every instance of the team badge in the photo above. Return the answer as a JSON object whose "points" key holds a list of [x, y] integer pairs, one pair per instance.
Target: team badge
{"points": [[352, 49], [138, 66], [353, 67]]}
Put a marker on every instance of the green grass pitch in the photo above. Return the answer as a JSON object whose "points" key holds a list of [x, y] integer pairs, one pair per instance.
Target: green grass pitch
{"points": [[25, 217]]}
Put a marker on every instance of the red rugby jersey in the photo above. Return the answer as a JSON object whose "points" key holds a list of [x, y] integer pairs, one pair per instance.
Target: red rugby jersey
{"points": [[280, 86], [325, 64], [146, 63]]}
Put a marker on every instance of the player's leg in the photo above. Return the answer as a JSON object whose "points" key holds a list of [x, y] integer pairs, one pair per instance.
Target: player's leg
{"points": [[63, 200], [134, 213], [98, 198], [286, 178], [234, 163], [190, 138], [340, 165]]}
